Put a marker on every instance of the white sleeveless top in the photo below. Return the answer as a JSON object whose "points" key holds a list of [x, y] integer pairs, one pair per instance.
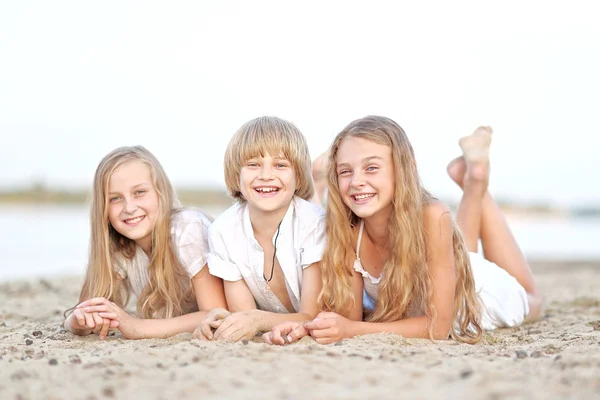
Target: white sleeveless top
{"points": [[370, 283]]}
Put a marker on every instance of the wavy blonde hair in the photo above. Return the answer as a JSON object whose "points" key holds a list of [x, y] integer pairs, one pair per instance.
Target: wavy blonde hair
{"points": [[407, 283], [168, 292], [273, 136]]}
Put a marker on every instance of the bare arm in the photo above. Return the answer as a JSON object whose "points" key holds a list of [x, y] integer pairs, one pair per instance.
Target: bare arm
{"points": [[311, 287], [209, 294], [438, 225]]}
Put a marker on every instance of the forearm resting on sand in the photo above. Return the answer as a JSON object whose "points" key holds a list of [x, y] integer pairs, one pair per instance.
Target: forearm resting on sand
{"points": [[265, 321], [163, 328], [415, 327]]}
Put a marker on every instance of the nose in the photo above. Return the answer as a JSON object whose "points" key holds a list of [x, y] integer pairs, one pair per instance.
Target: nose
{"points": [[357, 181], [130, 206], [266, 172]]}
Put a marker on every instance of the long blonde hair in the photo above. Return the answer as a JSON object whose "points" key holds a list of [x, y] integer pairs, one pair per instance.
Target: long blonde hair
{"points": [[274, 136], [407, 283], [168, 292]]}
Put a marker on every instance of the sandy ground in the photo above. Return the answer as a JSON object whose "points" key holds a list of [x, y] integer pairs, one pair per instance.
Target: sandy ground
{"points": [[557, 357]]}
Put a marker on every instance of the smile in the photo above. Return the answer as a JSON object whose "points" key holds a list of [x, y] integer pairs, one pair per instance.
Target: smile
{"points": [[363, 197], [133, 221], [267, 189]]}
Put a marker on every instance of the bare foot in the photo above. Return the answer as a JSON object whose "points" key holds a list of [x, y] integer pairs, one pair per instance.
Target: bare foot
{"points": [[475, 149], [457, 169]]}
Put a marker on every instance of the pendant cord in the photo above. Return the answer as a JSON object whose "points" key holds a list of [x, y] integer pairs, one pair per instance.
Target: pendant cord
{"points": [[274, 254]]}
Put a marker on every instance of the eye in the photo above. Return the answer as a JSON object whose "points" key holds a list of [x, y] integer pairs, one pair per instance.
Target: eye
{"points": [[344, 172], [140, 192], [252, 164], [372, 168], [114, 199], [281, 165]]}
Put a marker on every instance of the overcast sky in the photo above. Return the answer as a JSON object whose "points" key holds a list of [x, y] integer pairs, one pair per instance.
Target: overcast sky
{"points": [[78, 79]]}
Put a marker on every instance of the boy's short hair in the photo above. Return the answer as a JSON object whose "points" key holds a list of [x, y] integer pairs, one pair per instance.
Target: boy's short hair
{"points": [[273, 136]]}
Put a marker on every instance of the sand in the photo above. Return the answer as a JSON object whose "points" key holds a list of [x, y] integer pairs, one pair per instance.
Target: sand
{"points": [[556, 357]]}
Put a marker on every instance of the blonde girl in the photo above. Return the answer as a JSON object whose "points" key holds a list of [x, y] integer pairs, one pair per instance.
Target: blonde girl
{"points": [[396, 261], [143, 244], [268, 246]]}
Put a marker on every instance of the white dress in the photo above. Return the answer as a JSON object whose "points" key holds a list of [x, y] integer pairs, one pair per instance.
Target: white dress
{"points": [[235, 253], [505, 302]]}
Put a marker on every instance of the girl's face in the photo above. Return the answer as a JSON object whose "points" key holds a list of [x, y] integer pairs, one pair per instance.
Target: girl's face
{"points": [[365, 176], [133, 203], [268, 183]]}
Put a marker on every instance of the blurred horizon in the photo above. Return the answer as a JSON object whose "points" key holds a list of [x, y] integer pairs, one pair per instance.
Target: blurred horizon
{"points": [[79, 79]]}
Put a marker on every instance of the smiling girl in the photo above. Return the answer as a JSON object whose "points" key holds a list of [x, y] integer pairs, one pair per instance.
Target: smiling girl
{"points": [[267, 247], [143, 243], [396, 261]]}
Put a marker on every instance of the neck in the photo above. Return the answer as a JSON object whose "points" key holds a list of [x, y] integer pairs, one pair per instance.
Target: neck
{"points": [[376, 227], [145, 244], [264, 224]]}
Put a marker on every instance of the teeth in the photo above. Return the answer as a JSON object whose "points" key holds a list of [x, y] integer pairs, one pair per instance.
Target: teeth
{"points": [[134, 220], [363, 196], [266, 189]]}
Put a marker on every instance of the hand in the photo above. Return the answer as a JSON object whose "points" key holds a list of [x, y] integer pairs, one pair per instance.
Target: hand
{"points": [[213, 320], [83, 323], [238, 326], [329, 327], [128, 325], [285, 333]]}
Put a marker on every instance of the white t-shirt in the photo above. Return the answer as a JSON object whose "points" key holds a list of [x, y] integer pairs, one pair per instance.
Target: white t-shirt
{"points": [[235, 253], [189, 233]]}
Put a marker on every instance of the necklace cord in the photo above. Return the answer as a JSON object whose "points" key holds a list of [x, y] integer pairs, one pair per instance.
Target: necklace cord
{"points": [[274, 254]]}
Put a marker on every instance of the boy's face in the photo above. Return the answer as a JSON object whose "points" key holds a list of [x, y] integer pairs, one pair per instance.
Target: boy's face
{"points": [[268, 183]]}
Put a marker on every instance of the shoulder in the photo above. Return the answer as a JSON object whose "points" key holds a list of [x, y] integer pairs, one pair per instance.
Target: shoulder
{"points": [[186, 216], [232, 217], [308, 213], [437, 219]]}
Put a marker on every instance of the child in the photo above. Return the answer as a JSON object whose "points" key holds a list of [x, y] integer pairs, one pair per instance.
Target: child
{"points": [[142, 243], [268, 246], [395, 254], [319, 174]]}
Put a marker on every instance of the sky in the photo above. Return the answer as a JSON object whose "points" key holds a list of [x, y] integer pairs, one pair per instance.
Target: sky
{"points": [[78, 79]]}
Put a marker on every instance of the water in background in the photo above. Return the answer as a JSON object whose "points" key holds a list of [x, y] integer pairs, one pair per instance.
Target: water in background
{"points": [[43, 241]]}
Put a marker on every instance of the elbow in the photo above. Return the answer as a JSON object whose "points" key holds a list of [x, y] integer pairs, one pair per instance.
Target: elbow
{"points": [[440, 330]]}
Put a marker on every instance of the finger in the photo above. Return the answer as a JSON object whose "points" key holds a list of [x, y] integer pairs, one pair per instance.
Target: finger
{"points": [[198, 334], [98, 321], [267, 338], [93, 302], [297, 334], [89, 321], [238, 333], [224, 326], [105, 327], [108, 315], [325, 340], [226, 333], [220, 313], [114, 323], [318, 324], [216, 324], [206, 331], [78, 315], [276, 336], [322, 333], [100, 308]]}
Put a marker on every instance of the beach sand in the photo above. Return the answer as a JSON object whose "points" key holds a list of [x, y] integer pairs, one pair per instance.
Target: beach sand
{"points": [[556, 357]]}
